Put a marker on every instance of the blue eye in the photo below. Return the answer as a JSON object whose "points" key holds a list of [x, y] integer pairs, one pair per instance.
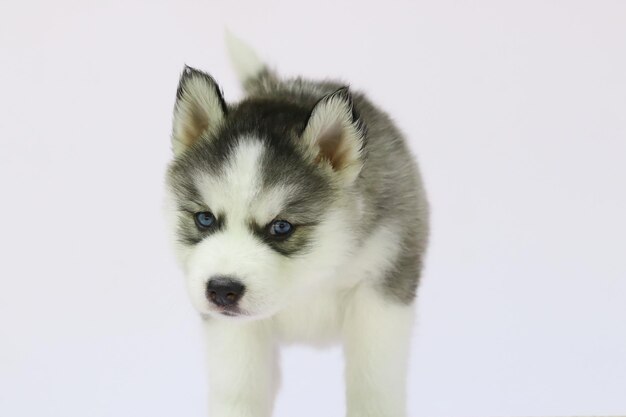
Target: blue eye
{"points": [[204, 219], [281, 228]]}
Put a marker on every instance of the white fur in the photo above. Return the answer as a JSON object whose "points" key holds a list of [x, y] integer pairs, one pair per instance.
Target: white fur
{"points": [[331, 127], [246, 62], [347, 308], [236, 252], [236, 192], [340, 299], [376, 344], [316, 315], [198, 110], [272, 281], [243, 371]]}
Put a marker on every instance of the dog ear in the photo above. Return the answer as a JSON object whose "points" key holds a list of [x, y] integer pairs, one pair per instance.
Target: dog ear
{"points": [[335, 136], [200, 108]]}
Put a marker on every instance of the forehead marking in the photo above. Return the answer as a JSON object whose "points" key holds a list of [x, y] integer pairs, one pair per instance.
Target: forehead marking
{"points": [[237, 192], [233, 190]]}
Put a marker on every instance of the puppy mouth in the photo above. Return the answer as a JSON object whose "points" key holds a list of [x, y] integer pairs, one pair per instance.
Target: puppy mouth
{"points": [[231, 312]]}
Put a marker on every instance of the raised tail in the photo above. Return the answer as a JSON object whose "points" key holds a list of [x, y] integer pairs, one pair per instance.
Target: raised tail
{"points": [[251, 71]]}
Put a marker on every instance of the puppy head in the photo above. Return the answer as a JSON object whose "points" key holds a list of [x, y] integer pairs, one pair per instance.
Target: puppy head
{"points": [[257, 195]]}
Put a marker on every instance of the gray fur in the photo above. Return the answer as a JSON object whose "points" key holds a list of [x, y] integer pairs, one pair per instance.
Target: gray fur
{"points": [[276, 112], [389, 182]]}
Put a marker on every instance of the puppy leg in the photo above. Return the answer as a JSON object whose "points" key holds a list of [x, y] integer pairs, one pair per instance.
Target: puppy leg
{"points": [[377, 332], [242, 368]]}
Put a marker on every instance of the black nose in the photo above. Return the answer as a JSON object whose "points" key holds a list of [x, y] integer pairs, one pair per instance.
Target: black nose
{"points": [[224, 291]]}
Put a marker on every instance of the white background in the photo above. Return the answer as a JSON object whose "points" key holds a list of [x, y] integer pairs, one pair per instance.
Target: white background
{"points": [[516, 111]]}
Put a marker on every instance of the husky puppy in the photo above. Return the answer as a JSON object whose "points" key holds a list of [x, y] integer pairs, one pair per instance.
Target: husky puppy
{"points": [[298, 215]]}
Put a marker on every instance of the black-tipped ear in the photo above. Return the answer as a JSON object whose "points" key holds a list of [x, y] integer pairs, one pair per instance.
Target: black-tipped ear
{"points": [[334, 135], [200, 107]]}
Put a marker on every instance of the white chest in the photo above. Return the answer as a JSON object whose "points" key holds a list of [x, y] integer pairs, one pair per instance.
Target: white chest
{"points": [[315, 319]]}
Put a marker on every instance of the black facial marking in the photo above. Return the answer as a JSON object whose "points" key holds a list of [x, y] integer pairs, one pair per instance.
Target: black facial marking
{"points": [[298, 242], [188, 231], [277, 124], [389, 183]]}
